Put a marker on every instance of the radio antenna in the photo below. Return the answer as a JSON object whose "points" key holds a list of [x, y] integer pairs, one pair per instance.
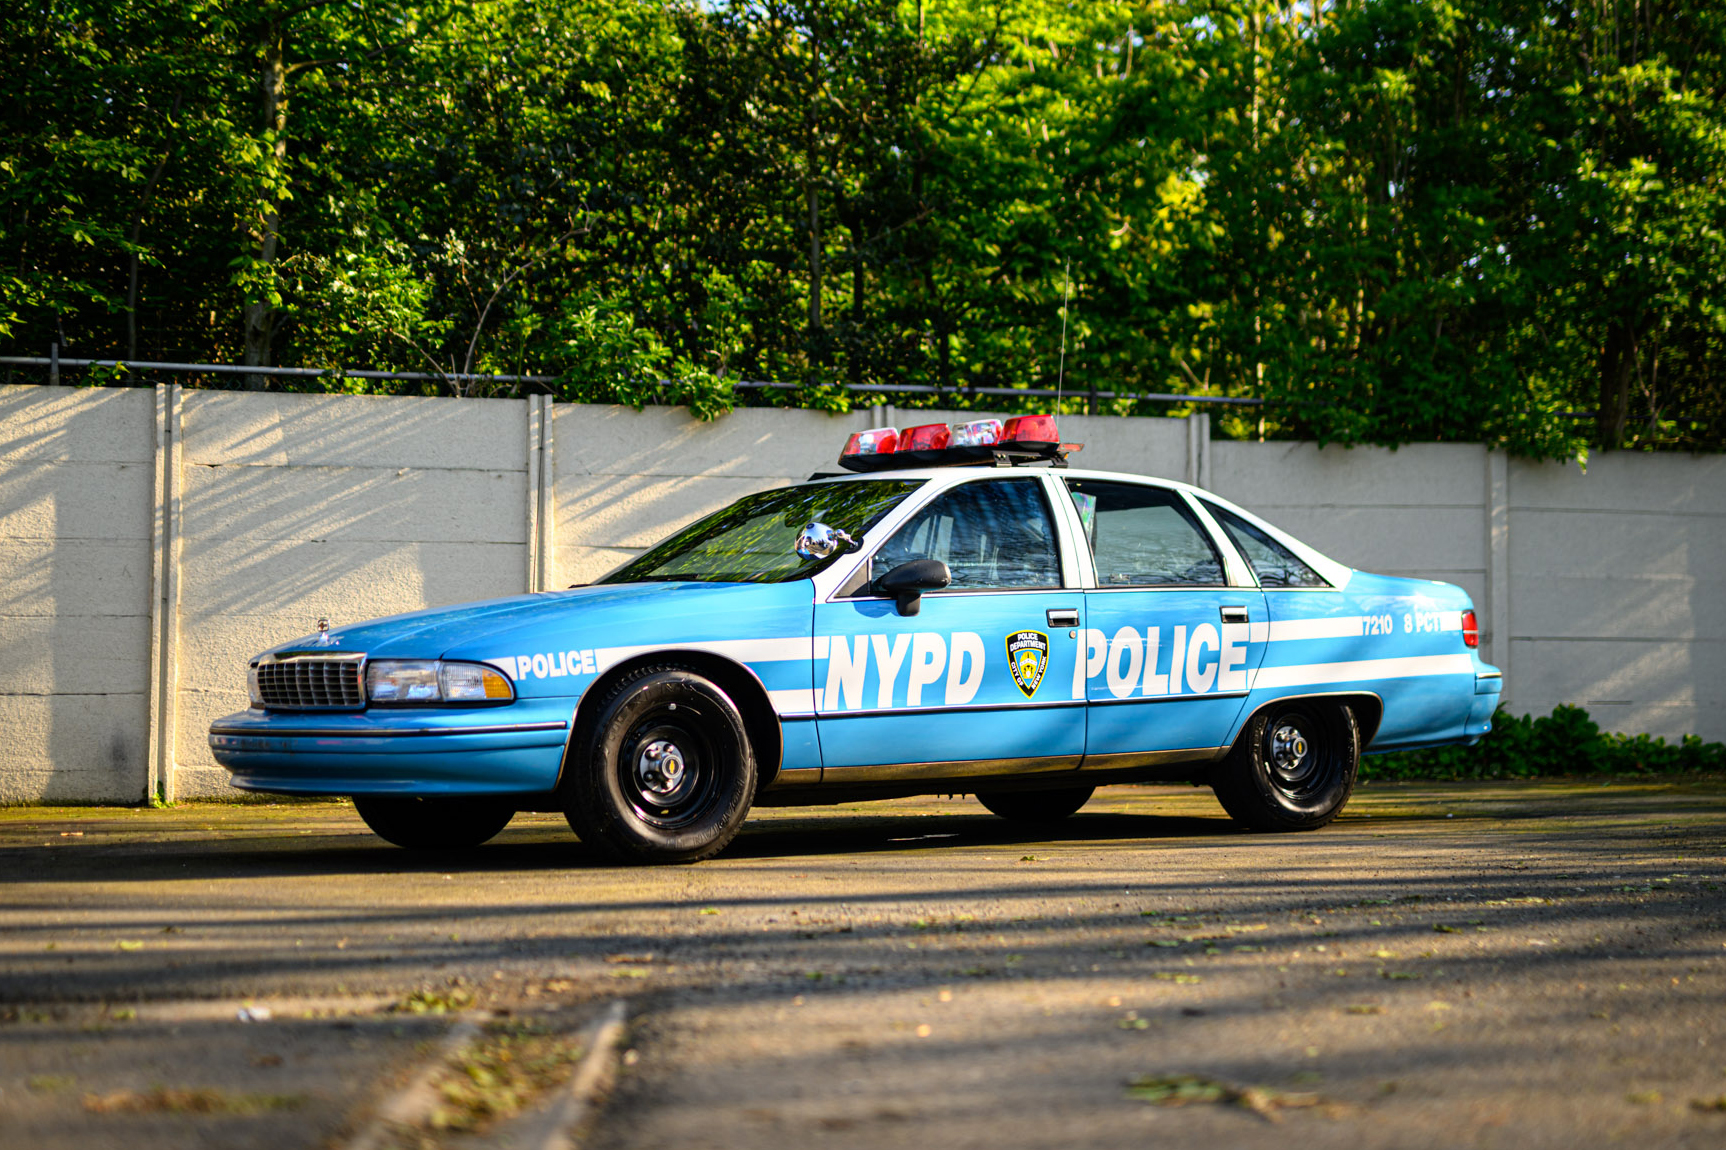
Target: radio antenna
{"points": [[1061, 371]]}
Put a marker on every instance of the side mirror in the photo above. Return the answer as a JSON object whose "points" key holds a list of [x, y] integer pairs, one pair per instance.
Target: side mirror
{"points": [[819, 541], [907, 582]]}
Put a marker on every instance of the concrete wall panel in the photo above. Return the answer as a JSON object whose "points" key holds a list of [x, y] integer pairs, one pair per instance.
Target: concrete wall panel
{"points": [[343, 582], [1634, 482], [1672, 609], [594, 439], [76, 424], [77, 488], [47, 499], [1274, 475], [1607, 544], [349, 430], [73, 655], [1628, 677], [60, 577], [72, 748], [404, 504]]}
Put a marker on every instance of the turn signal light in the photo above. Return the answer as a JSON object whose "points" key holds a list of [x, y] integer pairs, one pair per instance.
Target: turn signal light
{"points": [[1470, 630]]}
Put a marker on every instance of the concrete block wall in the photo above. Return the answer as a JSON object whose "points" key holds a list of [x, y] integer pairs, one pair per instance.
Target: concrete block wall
{"points": [[77, 498], [1617, 587], [151, 542]]}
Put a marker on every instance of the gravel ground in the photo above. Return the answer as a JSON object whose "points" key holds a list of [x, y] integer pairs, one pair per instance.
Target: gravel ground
{"points": [[1524, 964]]}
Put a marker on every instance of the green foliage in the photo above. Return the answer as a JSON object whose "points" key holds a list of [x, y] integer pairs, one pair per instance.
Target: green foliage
{"points": [[1565, 743], [1396, 220]]}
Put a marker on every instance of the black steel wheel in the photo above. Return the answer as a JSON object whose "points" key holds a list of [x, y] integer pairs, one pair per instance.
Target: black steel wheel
{"points": [[1036, 806], [1293, 767], [661, 769], [433, 824]]}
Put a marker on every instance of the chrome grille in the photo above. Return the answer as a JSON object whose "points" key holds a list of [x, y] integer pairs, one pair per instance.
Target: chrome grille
{"points": [[313, 682]]}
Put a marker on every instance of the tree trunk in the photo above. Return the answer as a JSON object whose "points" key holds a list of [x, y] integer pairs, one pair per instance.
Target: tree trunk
{"points": [[260, 315], [137, 230], [1617, 368], [857, 275], [814, 198]]}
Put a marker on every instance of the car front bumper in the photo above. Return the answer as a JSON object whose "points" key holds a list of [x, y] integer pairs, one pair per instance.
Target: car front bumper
{"points": [[418, 751]]}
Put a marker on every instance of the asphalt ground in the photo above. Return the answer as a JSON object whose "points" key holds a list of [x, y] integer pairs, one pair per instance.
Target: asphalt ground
{"points": [[1520, 964]]}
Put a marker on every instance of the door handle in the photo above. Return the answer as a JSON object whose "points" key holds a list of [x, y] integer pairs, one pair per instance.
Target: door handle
{"points": [[1063, 616], [1234, 614]]}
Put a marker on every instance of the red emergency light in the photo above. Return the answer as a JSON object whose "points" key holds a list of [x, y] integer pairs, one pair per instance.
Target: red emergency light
{"points": [[1023, 438], [878, 441]]}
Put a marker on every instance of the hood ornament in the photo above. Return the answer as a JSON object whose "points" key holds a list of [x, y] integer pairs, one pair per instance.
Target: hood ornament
{"points": [[324, 638]]}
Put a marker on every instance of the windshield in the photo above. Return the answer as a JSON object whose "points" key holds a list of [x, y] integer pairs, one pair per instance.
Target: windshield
{"points": [[752, 541]]}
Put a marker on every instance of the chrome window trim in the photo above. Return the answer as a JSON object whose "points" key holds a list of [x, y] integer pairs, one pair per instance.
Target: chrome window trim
{"points": [[1073, 530], [1236, 569], [1332, 572]]}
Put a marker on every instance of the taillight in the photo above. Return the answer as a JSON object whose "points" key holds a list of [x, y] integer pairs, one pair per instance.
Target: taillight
{"points": [[929, 437], [1470, 630]]}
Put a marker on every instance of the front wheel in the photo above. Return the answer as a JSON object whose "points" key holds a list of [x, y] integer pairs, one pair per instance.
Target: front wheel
{"points": [[433, 823], [1293, 767], [1036, 806], [664, 772]]}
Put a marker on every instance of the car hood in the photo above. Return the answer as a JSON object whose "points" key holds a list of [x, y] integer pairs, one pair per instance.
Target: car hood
{"points": [[629, 612]]}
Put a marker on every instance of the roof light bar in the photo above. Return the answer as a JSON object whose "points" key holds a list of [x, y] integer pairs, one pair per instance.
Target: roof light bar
{"points": [[1023, 438]]}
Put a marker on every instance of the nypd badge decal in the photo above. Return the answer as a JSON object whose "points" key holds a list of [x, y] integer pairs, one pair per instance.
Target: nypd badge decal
{"points": [[1028, 658]]}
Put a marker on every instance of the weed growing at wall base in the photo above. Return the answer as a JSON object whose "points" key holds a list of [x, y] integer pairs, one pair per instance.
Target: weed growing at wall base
{"points": [[1566, 742]]}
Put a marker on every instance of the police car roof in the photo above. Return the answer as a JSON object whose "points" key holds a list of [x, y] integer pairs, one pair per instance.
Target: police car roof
{"points": [[1335, 572]]}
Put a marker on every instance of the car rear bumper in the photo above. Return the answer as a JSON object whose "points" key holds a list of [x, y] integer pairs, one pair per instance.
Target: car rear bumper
{"points": [[491, 750]]}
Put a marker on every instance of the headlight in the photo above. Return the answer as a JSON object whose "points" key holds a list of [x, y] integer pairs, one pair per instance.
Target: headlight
{"points": [[433, 681], [252, 689]]}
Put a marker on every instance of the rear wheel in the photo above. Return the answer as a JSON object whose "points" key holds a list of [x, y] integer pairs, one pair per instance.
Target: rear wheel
{"points": [[1293, 767], [1037, 806], [664, 772], [433, 823]]}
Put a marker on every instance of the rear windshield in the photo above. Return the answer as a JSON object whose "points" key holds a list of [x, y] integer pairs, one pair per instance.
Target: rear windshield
{"points": [[752, 541]]}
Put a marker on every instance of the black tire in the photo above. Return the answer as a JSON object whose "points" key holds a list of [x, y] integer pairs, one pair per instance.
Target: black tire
{"points": [[1036, 806], [433, 824], [620, 795], [1293, 767]]}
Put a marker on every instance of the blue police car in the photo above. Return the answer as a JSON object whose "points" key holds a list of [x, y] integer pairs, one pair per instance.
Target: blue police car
{"points": [[962, 613]]}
